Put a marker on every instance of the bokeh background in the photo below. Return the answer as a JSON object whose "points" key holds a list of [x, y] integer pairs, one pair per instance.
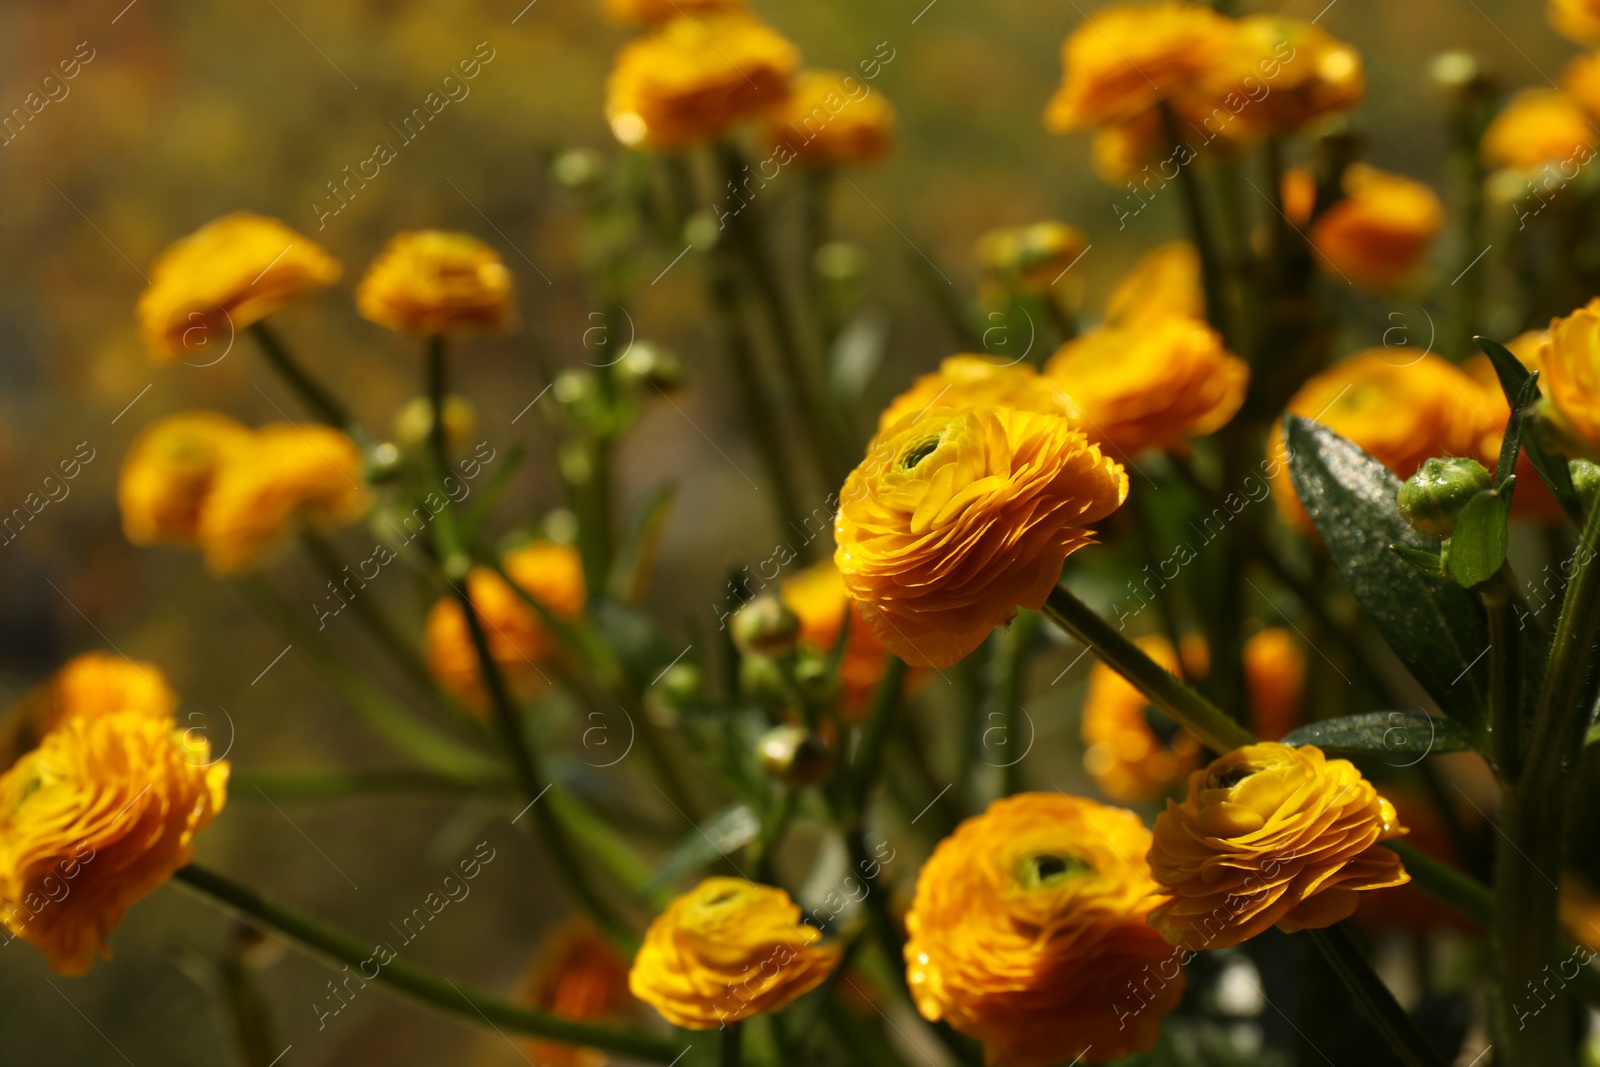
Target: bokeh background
{"points": [[188, 110]]}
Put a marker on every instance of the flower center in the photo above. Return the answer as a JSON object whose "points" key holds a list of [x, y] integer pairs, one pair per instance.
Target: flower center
{"points": [[1231, 777], [918, 452], [1049, 868]]}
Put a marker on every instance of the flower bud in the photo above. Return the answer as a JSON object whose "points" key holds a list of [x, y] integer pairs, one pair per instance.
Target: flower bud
{"points": [[1585, 480], [813, 676], [650, 367], [577, 168], [792, 754], [1431, 499], [765, 627], [763, 681], [414, 421], [680, 685], [839, 261]]}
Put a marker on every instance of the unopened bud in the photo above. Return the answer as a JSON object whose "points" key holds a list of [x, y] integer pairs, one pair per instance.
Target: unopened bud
{"points": [[1585, 480], [793, 754], [414, 421], [680, 685], [765, 627], [1431, 500], [650, 367]]}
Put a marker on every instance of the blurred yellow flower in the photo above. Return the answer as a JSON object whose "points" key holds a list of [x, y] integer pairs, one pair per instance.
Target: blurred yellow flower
{"points": [[1153, 384], [1269, 835], [95, 818], [90, 684], [1578, 20], [225, 276], [1029, 933], [1299, 193], [1319, 77], [288, 475], [578, 976], [1032, 258], [1123, 752], [649, 12], [1536, 127], [1275, 673], [550, 573], [818, 599], [1377, 235], [1570, 360], [433, 281], [1401, 409], [1164, 283], [1582, 80], [726, 950], [957, 517], [169, 471], [693, 78], [830, 117], [971, 381]]}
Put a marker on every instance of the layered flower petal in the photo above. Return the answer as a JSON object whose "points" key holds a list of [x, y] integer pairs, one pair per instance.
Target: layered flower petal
{"points": [[831, 117]]}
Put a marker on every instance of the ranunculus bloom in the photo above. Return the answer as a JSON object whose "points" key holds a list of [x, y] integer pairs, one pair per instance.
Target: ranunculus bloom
{"points": [[1576, 19], [168, 474], [1150, 385], [1032, 257], [1570, 360], [94, 683], [1538, 126], [726, 950], [1582, 80], [551, 573], [1401, 409], [1377, 235], [830, 117], [223, 277], [1029, 933], [693, 78], [1269, 835], [1123, 751], [957, 517], [578, 976], [818, 599], [288, 475], [649, 12], [1307, 74], [1299, 192], [1275, 674], [1163, 284], [432, 281], [95, 818], [971, 381]]}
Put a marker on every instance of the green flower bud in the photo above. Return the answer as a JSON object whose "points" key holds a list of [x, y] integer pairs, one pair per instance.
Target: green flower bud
{"points": [[414, 421], [680, 685], [765, 627], [763, 681], [578, 168], [650, 368], [793, 754], [1585, 479], [1431, 499], [812, 676]]}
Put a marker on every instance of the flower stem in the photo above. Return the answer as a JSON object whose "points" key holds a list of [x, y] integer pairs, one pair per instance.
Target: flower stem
{"points": [[1391, 1019], [1505, 678], [314, 396], [1200, 231], [416, 982], [732, 1045]]}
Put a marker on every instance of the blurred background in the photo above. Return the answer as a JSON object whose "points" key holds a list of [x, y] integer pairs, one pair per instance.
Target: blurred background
{"points": [[182, 111]]}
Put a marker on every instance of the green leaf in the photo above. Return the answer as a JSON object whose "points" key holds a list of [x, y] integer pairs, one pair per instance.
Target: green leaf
{"points": [[1510, 443], [1478, 546], [729, 829], [635, 563], [1406, 736], [1548, 462], [1426, 563], [1507, 367], [1436, 628]]}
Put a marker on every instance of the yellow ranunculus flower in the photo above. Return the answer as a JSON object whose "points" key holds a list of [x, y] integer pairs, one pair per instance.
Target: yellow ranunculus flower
{"points": [[1275, 673], [1123, 753], [1032, 257], [693, 78], [223, 277], [818, 599], [1319, 77], [1028, 932], [1538, 126], [726, 950], [518, 638], [578, 976], [1582, 80], [1570, 360], [289, 474], [1377, 235], [957, 517], [1578, 20], [649, 12], [1401, 409], [87, 685], [971, 381], [434, 281], [169, 472], [831, 117], [1164, 283], [1269, 835], [1150, 385], [95, 818]]}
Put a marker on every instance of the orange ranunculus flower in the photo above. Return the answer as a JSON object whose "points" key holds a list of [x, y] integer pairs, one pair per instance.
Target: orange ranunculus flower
{"points": [[578, 976], [956, 517], [87, 685], [1150, 385], [1308, 74], [1123, 751], [1299, 193], [1570, 360], [434, 281], [95, 818], [1377, 235], [1401, 409], [288, 475], [1582, 81], [1580, 912], [1538, 126], [1120, 150], [1578, 20], [225, 276], [726, 950], [1164, 283], [693, 78], [1032, 258], [650, 12], [1029, 933], [1269, 835], [169, 472], [971, 381], [1275, 674], [818, 599], [550, 573], [830, 117]]}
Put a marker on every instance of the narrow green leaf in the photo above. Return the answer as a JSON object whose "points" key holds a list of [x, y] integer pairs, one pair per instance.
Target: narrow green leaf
{"points": [[1509, 444], [1404, 736], [1478, 547], [729, 829], [1548, 462], [1507, 367]]}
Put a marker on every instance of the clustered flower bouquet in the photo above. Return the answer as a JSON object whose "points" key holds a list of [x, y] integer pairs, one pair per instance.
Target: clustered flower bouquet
{"points": [[1315, 676]]}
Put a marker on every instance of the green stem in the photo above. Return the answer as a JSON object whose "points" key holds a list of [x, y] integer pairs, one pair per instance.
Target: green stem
{"points": [[1008, 663], [885, 701], [416, 982], [400, 650], [732, 1054], [1444, 883], [313, 395], [1391, 1019], [1199, 229], [1505, 679]]}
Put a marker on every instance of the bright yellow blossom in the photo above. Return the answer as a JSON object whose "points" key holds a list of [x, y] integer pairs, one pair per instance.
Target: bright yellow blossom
{"points": [[168, 474], [650, 12], [1578, 20], [94, 683], [972, 381], [830, 117], [1124, 754], [432, 281], [1377, 235], [1032, 258], [1537, 127]]}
